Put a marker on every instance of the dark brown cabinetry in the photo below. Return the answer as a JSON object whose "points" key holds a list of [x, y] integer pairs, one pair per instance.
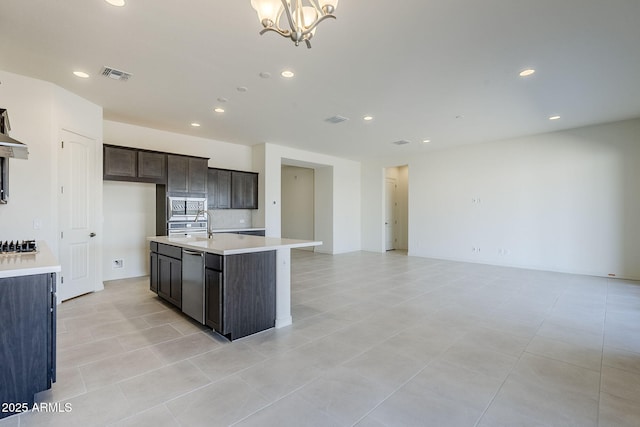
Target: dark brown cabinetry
{"points": [[152, 167], [244, 190], [130, 164], [219, 189], [186, 175], [27, 338], [166, 272], [240, 293], [229, 189], [239, 290]]}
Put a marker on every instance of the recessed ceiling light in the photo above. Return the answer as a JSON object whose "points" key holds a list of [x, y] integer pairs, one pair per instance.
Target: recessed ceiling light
{"points": [[195, 125], [242, 89], [554, 117], [287, 74], [222, 99], [265, 75], [115, 2], [81, 74], [426, 141], [367, 118], [527, 72], [218, 110]]}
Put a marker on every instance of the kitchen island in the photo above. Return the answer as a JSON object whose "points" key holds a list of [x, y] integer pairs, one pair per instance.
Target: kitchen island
{"points": [[27, 327], [236, 284]]}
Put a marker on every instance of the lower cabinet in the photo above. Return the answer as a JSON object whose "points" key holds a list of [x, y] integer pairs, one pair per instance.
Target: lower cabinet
{"points": [[240, 293], [239, 290], [165, 277], [27, 339]]}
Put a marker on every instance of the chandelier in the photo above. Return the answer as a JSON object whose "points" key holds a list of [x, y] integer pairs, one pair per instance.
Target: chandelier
{"points": [[302, 20]]}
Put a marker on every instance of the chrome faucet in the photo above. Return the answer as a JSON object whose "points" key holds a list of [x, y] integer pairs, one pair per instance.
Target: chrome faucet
{"points": [[209, 231]]}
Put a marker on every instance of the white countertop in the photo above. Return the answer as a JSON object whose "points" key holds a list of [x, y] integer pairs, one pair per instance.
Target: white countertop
{"points": [[27, 264], [231, 244]]}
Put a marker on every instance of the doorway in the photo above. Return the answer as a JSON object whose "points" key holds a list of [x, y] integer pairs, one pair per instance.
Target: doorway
{"points": [[298, 206], [77, 215], [396, 208]]}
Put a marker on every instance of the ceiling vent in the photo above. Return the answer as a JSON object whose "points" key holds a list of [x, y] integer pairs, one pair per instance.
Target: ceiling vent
{"points": [[401, 142], [114, 74], [336, 119]]}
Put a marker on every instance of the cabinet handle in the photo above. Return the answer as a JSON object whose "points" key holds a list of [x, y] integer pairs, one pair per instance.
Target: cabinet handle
{"points": [[92, 234]]}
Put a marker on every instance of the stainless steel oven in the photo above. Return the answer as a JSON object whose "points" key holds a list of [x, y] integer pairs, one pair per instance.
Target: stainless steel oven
{"points": [[185, 208], [187, 228]]}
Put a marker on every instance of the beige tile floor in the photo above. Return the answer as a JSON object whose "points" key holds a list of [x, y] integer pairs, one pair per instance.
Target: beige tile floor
{"points": [[377, 340]]}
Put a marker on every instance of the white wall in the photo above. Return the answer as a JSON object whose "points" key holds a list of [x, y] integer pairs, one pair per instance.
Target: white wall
{"points": [[38, 112], [129, 217], [132, 203], [297, 202], [566, 201], [337, 188]]}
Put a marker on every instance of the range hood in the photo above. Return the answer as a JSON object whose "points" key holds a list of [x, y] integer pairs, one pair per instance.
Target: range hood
{"points": [[10, 147]]}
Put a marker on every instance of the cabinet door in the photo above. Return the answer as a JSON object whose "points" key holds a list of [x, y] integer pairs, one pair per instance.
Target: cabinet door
{"points": [[153, 273], [25, 341], [197, 175], [244, 190], [120, 164], [152, 167], [170, 279], [177, 174], [219, 189], [213, 299]]}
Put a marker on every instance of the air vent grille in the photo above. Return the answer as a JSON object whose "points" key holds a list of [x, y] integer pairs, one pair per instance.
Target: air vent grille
{"points": [[401, 142], [336, 119], [114, 74]]}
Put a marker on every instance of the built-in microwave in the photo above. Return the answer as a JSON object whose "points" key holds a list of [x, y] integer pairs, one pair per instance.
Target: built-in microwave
{"points": [[186, 208]]}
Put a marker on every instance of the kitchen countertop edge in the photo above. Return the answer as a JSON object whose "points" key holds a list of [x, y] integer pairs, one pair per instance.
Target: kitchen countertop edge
{"points": [[29, 264], [233, 244]]}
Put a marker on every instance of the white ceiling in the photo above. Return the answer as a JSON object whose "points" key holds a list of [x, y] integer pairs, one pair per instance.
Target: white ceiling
{"points": [[446, 70]]}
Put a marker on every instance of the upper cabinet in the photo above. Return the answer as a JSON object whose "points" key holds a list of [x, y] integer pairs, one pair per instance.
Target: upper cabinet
{"points": [[130, 164], [228, 189], [219, 189], [186, 175], [244, 190]]}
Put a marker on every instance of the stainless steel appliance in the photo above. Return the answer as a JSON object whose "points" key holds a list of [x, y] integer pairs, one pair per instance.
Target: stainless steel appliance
{"points": [[185, 208], [9, 147], [187, 228], [17, 247], [193, 284]]}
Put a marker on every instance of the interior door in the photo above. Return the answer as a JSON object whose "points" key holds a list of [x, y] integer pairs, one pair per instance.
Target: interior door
{"points": [[389, 213], [77, 215]]}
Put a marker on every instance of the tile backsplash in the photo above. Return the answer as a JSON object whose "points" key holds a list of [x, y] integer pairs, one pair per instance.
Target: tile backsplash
{"points": [[230, 218]]}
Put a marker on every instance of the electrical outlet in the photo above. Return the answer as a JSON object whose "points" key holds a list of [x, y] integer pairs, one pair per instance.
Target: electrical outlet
{"points": [[241, 221], [117, 263]]}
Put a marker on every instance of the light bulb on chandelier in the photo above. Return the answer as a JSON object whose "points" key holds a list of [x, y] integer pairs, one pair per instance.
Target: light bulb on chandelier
{"points": [[302, 20]]}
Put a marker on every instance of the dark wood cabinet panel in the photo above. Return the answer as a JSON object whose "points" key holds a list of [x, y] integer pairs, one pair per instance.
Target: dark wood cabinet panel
{"points": [[177, 174], [130, 164], [198, 175], [120, 164], [249, 290], [253, 232], [213, 299], [170, 279], [27, 337], [219, 189], [152, 167], [153, 272], [186, 175], [244, 190]]}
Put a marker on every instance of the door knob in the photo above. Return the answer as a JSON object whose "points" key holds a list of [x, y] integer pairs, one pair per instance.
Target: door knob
{"points": [[92, 234]]}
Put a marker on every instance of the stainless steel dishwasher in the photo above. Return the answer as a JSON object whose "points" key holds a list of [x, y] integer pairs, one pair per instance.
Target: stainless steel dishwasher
{"points": [[193, 284]]}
